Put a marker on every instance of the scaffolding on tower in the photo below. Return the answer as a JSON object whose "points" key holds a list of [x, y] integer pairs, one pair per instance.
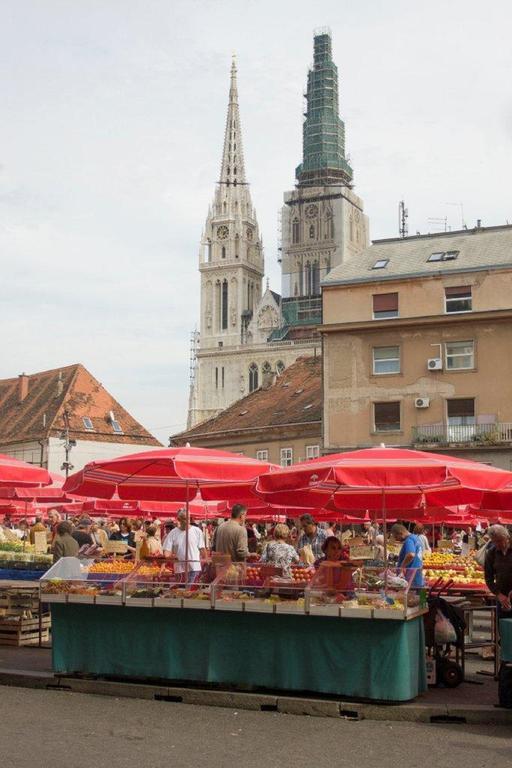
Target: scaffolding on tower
{"points": [[192, 395]]}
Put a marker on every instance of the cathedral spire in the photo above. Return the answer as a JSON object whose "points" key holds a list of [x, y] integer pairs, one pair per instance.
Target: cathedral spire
{"points": [[323, 159], [233, 170]]}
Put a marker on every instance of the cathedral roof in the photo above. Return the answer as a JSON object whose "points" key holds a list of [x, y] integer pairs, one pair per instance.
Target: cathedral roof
{"points": [[32, 408], [293, 398], [448, 253]]}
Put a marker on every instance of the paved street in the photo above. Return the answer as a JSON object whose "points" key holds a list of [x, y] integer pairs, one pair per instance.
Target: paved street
{"points": [[63, 730]]}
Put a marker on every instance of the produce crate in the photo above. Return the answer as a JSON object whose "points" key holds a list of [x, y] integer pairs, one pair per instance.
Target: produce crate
{"points": [[22, 631]]}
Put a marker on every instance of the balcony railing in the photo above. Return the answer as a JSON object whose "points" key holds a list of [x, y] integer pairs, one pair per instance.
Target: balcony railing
{"points": [[463, 434]]}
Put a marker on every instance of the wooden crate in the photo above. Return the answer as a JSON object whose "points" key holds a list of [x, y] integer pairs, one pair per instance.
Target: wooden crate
{"points": [[24, 631]]}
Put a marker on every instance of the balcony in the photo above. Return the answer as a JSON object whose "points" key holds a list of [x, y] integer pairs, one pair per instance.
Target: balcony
{"points": [[466, 435]]}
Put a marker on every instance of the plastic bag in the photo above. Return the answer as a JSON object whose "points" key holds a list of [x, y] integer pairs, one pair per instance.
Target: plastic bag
{"points": [[480, 555], [306, 555], [444, 631]]}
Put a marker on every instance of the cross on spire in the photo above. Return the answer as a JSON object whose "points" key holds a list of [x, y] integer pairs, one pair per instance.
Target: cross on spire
{"points": [[233, 169]]}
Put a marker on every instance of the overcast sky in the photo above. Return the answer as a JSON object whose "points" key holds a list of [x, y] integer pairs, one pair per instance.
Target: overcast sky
{"points": [[110, 144]]}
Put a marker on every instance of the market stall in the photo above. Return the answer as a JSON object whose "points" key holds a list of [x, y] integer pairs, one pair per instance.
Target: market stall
{"points": [[240, 625]]}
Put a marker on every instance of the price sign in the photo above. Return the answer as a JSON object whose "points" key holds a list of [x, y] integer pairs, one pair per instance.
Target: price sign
{"points": [[116, 548], [40, 542], [362, 553]]}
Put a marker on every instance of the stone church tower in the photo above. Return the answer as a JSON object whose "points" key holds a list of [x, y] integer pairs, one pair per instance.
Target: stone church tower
{"points": [[248, 336]]}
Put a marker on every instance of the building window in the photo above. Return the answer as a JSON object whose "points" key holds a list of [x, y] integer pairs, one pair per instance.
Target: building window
{"points": [[116, 427], [312, 451], [88, 425], [224, 305], [461, 419], [216, 378], [460, 355], [295, 231], [262, 455], [237, 246], [280, 366], [266, 367], [223, 252], [385, 305], [311, 231], [458, 299], [381, 264], [222, 377], [208, 250], [315, 279], [386, 417], [443, 256], [253, 377], [386, 360], [286, 457]]}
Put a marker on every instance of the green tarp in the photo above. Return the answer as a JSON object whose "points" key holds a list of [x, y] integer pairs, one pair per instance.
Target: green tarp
{"points": [[371, 659]]}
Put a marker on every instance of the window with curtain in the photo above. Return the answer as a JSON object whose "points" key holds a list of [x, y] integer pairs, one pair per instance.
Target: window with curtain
{"points": [[458, 299]]}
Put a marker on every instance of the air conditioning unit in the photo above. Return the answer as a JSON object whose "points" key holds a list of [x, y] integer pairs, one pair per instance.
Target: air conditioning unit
{"points": [[435, 364], [422, 402]]}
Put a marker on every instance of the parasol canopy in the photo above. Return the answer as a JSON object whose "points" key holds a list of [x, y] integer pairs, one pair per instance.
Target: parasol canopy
{"points": [[18, 473]]}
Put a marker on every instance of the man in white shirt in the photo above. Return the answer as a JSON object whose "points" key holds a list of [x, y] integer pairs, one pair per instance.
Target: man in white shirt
{"points": [[174, 547]]}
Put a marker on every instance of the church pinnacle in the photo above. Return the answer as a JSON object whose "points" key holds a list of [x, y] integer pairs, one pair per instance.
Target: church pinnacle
{"points": [[233, 169], [323, 161]]}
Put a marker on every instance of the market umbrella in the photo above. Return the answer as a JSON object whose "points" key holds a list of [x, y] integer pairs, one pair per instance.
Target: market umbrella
{"points": [[170, 474], [382, 479], [17, 473]]}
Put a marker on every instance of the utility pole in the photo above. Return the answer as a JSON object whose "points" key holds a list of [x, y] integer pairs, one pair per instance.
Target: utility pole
{"points": [[68, 444]]}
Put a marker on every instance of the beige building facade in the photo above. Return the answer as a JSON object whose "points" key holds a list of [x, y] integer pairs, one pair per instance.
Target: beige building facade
{"points": [[417, 342]]}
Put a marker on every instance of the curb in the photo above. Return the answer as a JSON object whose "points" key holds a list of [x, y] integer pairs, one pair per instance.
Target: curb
{"points": [[286, 705]]}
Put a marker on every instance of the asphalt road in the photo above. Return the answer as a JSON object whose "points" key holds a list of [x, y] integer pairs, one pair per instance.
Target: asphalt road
{"points": [[54, 729]]}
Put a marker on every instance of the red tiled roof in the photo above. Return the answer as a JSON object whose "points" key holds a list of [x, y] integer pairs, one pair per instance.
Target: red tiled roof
{"points": [[294, 398], [72, 389]]}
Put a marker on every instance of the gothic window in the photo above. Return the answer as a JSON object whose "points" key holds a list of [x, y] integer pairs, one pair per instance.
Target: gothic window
{"points": [[224, 315], [237, 246], [331, 228], [216, 378], [315, 279], [266, 368], [351, 228], [223, 252], [307, 279], [280, 367], [295, 230], [357, 234], [253, 377], [218, 304], [224, 207], [222, 377], [229, 170], [311, 231], [208, 250]]}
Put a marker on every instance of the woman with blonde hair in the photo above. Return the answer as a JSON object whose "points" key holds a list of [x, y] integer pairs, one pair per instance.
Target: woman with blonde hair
{"points": [[279, 552]]}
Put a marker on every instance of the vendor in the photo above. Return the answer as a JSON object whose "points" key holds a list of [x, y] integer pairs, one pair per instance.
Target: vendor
{"points": [[498, 568], [410, 556], [333, 551], [335, 567]]}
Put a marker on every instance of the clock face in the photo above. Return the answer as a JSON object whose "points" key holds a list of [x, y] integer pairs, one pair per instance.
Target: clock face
{"points": [[222, 232], [311, 211], [250, 233]]}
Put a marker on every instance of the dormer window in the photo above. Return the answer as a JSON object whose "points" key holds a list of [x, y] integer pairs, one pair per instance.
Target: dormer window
{"points": [[381, 264], [443, 256], [88, 425], [116, 427]]}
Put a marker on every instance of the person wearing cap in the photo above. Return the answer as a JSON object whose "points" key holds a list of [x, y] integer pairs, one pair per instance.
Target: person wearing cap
{"points": [[311, 536], [81, 533], [175, 547]]}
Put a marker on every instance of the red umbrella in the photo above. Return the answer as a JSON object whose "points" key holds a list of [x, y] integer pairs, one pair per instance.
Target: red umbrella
{"points": [[18, 473], [382, 479]]}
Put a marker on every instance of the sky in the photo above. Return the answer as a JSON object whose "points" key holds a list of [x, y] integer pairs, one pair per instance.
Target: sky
{"points": [[110, 145]]}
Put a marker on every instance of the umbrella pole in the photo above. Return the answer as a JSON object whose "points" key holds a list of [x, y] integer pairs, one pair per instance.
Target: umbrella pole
{"points": [[384, 526], [186, 533]]}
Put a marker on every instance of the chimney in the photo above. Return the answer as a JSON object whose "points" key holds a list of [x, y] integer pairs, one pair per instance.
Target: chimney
{"points": [[22, 387]]}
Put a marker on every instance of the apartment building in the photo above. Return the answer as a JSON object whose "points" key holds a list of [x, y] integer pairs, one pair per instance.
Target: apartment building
{"points": [[417, 346]]}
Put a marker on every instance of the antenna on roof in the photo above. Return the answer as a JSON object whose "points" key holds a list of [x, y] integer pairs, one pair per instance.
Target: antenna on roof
{"points": [[403, 215], [461, 207], [440, 224]]}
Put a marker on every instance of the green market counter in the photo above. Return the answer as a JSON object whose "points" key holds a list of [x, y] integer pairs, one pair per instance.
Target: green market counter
{"points": [[347, 657]]}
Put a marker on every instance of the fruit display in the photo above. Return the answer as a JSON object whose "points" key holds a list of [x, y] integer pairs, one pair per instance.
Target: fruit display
{"points": [[463, 571], [112, 566], [302, 574]]}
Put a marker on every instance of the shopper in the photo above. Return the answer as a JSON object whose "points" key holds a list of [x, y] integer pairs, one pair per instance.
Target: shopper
{"points": [[175, 547], [311, 536], [498, 569], [410, 556], [419, 531], [151, 546], [81, 533], [231, 536], [64, 545], [278, 552]]}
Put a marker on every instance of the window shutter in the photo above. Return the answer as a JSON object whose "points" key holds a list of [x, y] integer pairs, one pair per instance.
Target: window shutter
{"points": [[385, 302], [458, 292]]}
